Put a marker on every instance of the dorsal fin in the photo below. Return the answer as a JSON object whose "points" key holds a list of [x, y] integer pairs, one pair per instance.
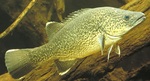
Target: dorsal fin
{"points": [[74, 14], [52, 28]]}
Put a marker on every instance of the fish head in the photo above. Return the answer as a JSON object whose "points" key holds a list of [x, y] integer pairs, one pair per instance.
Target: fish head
{"points": [[119, 21]]}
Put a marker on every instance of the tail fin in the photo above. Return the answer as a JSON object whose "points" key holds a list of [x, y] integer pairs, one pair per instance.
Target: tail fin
{"points": [[18, 62]]}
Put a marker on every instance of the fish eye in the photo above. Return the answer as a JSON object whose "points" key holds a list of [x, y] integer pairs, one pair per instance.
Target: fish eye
{"points": [[126, 17]]}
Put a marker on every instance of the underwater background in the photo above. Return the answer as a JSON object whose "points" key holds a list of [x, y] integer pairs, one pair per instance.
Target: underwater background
{"points": [[30, 32]]}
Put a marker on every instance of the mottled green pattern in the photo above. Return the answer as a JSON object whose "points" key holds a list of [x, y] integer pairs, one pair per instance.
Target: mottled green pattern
{"points": [[83, 33], [79, 36]]}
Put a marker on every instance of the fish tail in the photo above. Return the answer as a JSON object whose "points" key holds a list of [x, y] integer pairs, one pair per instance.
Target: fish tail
{"points": [[18, 62]]}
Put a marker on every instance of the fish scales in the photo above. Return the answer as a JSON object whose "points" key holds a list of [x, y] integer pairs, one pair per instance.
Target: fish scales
{"points": [[85, 32], [75, 38], [74, 41]]}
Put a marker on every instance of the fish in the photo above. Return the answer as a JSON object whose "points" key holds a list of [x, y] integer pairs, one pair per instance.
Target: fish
{"points": [[83, 33]]}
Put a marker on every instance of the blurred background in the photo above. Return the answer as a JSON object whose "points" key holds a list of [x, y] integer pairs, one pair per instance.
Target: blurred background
{"points": [[30, 31]]}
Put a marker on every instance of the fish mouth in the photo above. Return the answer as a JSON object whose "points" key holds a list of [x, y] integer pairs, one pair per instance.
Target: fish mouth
{"points": [[139, 20]]}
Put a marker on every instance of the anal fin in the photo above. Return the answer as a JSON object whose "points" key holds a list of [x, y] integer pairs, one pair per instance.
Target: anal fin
{"points": [[64, 66]]}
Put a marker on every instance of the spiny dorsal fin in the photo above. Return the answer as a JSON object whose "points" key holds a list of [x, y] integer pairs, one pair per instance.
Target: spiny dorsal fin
{"points": [[74, 14], [52, 28]]}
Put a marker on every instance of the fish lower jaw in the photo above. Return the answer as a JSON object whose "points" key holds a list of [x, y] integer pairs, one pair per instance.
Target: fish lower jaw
{"points": [[139, 20]]}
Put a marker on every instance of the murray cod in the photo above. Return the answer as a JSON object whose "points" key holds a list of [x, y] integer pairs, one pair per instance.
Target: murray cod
{"points": [[84, 32]]}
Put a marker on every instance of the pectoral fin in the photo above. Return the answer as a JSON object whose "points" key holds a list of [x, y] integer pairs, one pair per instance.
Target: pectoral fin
{"points": [[64, 66], [102, 42]]}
